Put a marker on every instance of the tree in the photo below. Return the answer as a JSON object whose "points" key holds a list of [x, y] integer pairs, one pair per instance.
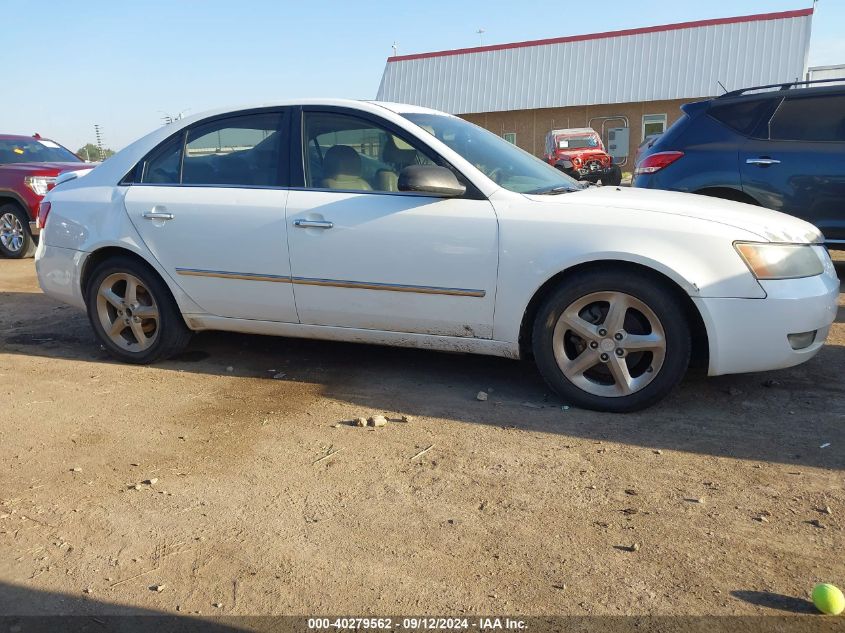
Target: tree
{"points": [[91, 152]]}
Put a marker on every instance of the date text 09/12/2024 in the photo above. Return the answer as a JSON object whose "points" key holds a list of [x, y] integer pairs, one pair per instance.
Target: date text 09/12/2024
{"points": [[417, 624]]}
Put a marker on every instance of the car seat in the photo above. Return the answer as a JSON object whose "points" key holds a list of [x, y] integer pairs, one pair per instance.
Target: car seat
{"points": [[342, 169]]}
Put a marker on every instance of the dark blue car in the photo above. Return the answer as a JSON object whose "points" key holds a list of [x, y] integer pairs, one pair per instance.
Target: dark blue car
{"points": [[781, 147]]}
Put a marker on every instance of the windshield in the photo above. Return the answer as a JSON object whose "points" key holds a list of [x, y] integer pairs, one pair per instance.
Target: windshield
{"points": [[499, 160], [577, 142], [35, 151]]}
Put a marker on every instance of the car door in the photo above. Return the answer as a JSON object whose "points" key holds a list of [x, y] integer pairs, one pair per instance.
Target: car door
{"points": [[798, 167], [209, 205], [365, 255]]}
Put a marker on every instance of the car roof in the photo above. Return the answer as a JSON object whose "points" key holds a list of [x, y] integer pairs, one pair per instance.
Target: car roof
{"points": [[574, 130], [398, 108], [21, 137], [774, 92]]}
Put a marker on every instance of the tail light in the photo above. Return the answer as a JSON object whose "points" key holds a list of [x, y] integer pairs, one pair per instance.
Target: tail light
{"points": [[43, 212], [656, 162]]}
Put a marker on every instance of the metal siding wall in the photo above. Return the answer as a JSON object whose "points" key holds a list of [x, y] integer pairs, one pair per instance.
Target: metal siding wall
{"points": [[673, 64]]}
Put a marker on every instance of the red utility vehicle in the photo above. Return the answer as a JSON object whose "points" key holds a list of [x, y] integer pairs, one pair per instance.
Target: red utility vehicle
{"points": [[28, 169], [579, 153]]}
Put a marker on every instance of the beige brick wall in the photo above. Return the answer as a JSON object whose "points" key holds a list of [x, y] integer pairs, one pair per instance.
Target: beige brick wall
{"points": [[531, 126]]}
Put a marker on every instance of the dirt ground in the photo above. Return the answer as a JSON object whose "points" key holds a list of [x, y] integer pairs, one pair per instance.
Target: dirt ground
{"points": [[732, 489]]}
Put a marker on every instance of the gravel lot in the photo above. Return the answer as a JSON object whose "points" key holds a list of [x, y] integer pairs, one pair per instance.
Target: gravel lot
{"points": [[732, 490]]}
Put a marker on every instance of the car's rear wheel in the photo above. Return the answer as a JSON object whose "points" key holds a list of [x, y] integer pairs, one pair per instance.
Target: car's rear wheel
{"points": [[612, 341], [16, 241], [133, 313]]}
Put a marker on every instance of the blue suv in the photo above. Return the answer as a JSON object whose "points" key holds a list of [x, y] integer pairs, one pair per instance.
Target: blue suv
{"points": [[779, 146]]}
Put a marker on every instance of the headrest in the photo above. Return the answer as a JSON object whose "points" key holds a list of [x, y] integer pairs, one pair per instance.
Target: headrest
{"points": [[398, 152], [341, 160]]}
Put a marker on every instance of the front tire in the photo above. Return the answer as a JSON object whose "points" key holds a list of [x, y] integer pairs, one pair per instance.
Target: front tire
{"points": [[16, 242], [613, 177], [133, 313], [610, 340]]}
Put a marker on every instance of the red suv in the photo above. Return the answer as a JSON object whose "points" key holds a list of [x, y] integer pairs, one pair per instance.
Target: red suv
{"points": [[28, 169], [579, 153]]}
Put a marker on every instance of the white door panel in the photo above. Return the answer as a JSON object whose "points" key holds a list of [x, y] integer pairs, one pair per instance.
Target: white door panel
{"points": [[400, 263], [225, 246]]}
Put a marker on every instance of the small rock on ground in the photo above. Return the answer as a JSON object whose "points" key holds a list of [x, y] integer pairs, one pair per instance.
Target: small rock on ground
{"points": [[378, 421], [482, 396]]}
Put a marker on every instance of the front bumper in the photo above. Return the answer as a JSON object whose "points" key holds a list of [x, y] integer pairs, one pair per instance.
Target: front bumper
{"points": [[588, 172], [747, 335]]}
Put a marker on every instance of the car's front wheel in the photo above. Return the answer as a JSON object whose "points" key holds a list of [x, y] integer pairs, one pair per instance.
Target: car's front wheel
{"points": [[15, 239], [612, 341], [133, 313], [613, 177]]}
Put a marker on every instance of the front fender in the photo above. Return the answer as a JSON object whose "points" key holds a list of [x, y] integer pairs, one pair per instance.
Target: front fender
{"points": [[538, 244]]}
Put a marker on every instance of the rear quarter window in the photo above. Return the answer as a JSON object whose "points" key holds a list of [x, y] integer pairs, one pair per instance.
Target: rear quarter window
{"points": [[745, 117]]}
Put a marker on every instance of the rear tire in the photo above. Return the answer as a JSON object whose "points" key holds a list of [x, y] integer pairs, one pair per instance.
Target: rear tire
{"points": [[16, 242], [133, 313], [610, 340]]}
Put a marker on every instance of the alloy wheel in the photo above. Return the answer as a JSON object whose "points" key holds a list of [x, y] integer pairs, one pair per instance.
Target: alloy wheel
{"points": [[128, 312], [609, 344], [11, 232]]}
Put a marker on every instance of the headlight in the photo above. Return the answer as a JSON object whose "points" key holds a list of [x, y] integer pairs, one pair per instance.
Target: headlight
{"points": [[780, 261], [39, 184]]}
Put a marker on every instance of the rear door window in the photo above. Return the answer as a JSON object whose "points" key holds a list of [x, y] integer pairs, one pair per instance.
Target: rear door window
{"points": [[819, 119], [242, 150]]}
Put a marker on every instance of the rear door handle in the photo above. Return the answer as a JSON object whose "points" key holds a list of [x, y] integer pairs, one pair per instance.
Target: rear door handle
{"points": [[763, 161], [158, 213], [313, 224]]}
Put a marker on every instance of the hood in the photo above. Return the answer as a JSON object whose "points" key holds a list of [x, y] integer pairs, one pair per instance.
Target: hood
{"points": [[581, 151], [771, 226], [46, 167]]}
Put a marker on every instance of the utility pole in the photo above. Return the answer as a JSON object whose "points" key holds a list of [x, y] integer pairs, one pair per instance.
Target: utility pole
{"points": [[99, 141]]}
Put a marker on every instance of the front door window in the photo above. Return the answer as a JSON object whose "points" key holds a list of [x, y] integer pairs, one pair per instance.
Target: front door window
{"points": [[351, 154]]}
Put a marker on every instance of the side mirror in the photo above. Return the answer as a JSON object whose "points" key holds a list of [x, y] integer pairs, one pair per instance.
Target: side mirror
{"points": [[430, 179]]}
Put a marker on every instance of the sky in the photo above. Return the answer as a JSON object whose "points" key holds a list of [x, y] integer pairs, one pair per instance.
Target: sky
{"points": [[122, 65]]}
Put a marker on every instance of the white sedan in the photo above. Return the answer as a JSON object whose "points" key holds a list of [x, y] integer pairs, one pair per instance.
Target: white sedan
{"points": [[393, 224]]}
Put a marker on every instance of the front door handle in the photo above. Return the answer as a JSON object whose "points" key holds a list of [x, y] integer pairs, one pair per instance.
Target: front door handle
{"points": [[763, 161], [313, 224]]}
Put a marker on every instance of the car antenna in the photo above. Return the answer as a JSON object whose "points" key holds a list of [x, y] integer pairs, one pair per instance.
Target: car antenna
{"points": [[722, 86]]}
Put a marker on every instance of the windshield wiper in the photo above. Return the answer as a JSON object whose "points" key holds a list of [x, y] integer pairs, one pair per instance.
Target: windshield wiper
{"points": [[554, 191]]}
